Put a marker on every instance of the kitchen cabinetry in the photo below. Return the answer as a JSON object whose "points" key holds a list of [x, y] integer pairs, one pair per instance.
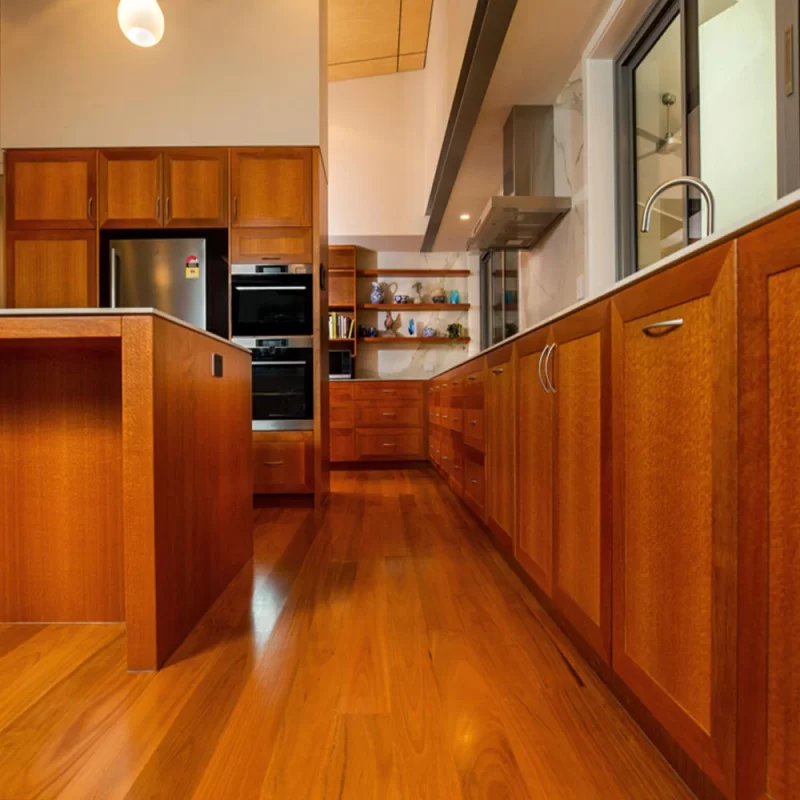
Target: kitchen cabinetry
{"points": [[377, 421], [501, 446], [675, 533], [131, 188], [768, 752], [171, 188], [534, 546], [51, 269], [283, 462], [51, 189], [579, 370], [196, 187], [271, 187], [276, 245]]}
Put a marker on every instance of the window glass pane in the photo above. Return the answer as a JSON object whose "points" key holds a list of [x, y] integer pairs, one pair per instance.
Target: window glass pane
{"points": [[738, 137], [660, 143]]}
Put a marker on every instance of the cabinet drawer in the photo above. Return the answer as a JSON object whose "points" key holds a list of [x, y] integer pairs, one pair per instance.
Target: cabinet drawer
{"points": [[343, 444], [389, 390], [268, 245], [475, 486], [474, 429], [475, 390], [341, 392], [391, 443], [455, 387], [388, 415], [447, 453], [342, 416], [283, 462], [457, 470], [455, 421]]}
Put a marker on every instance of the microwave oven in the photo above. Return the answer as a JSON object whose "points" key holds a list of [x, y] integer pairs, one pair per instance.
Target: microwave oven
{"points": [[341, 365]]}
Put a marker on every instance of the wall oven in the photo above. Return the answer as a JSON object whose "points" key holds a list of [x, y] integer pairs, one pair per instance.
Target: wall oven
{"points": [[283, 383], [272, 301]]}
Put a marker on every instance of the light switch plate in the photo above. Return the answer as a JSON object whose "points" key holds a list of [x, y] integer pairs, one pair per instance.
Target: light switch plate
{"points": [[216, 365]]}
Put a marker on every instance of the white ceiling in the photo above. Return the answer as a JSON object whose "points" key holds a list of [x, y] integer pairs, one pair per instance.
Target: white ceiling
{"points": [[544, 44]]}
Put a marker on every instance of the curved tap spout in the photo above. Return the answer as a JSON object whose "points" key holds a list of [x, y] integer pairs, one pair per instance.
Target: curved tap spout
{"points": [[685, 180]]}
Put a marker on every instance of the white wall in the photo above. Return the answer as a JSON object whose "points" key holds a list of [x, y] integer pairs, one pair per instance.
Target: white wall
{"points": [[376, 159], [226, 72], [738, 136]]}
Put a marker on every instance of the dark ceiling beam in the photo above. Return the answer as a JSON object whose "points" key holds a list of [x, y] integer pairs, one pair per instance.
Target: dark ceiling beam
{"points": [[486, 37]]}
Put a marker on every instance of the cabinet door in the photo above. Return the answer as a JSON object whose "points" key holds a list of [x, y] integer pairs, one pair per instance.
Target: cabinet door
{"points": [[342, 289], [130, 188], [196, 187], [534, 547], [53, 189], [343, 444], [271, 245], [342, 257], [283, 462], [271, 187], [51, 269], [501, 446], [675, 540], [579, 370]]}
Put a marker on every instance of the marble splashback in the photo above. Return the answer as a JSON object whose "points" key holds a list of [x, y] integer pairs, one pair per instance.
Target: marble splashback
{"points": [[418, 360], [549, 274]]}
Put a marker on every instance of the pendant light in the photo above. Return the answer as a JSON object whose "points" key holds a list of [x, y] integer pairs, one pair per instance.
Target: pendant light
{"points": [[142, 21]]}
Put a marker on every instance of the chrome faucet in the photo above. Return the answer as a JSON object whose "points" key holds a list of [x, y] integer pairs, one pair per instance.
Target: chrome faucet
{"points": [[686, 180]]}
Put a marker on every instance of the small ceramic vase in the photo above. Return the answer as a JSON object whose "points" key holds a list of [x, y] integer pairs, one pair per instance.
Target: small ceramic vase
{"points": [[376, 296]]}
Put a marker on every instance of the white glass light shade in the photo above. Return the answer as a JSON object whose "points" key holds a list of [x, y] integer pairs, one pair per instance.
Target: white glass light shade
{"points": [[142, 21]]}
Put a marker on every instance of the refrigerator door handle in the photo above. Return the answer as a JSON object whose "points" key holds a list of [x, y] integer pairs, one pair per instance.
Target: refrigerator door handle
{"points": [[113, 281]]}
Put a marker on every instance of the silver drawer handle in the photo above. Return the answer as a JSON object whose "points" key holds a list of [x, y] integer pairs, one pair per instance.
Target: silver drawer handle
{"points": [[474, 483], [667, 326], [389, 391], [390, 444], [389, 414], [473, 422], [274, 463], [445, 458], [444, 416], [455, 466], [498, 371], [472, 378]]}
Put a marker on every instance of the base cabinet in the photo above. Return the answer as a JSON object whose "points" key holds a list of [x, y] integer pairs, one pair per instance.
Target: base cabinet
{"points": [[283, 462], [676, 531], [501, 446]]}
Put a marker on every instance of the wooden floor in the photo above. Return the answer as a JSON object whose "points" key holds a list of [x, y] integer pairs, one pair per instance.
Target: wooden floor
{"points": [[380, 650]]}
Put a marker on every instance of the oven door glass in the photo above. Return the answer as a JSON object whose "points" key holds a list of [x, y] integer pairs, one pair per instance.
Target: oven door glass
{"points": [[274, 306], [282, 389]]}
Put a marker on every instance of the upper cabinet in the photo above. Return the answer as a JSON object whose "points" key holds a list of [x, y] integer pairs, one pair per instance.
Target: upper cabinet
{"points": [[271, 187], [131, 184], [196, 187], [51, 189], [171, 188]]}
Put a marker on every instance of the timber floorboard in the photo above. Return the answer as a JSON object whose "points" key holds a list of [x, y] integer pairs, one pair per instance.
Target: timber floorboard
{"points": [[379, 648]]}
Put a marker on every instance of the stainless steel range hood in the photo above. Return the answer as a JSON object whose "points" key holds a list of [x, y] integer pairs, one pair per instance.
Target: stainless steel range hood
{"points": [[519, 218]]}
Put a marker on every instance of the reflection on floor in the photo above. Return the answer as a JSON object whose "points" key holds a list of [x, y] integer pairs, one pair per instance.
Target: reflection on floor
{"points": [[381, 649]]}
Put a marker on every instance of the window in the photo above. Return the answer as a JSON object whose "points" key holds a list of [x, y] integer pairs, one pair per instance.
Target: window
{"points": [[696, 95]]}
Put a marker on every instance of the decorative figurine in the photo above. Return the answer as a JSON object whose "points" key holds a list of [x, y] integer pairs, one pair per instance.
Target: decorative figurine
{"points": [[411, 328], [389, 323], [455, 330], [455, 297], [417, 287], [428, 332]]}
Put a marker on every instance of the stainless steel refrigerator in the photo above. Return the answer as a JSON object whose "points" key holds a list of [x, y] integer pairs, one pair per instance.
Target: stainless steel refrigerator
{"points": [[166, 274]]}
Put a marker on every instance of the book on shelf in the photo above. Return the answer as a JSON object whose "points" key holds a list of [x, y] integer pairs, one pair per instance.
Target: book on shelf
{"points": [[340, 326]]}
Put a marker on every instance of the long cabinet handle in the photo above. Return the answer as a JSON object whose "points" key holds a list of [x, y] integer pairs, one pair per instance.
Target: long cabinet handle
{"points": [[274, 463], [547, 368], [390, 444], [389, 414], [158, 208], [89, 209], [166, 210], [236, 208], [541, 356], [665, 327]]}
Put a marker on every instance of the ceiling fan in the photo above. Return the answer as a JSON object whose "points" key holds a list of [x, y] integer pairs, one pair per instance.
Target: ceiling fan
{"points": [[668, 143]]}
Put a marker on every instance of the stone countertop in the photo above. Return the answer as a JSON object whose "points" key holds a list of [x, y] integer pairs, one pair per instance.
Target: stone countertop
{"points": [[110, 312], [787, 204], [378, 380]]}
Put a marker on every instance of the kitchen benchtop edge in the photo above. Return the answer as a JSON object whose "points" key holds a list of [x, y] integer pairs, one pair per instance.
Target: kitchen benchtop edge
{"points": [[113, 312], [783, 206]]}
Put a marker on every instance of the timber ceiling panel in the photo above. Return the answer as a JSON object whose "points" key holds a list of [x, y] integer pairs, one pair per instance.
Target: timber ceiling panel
{"points": [[376, 37]]}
